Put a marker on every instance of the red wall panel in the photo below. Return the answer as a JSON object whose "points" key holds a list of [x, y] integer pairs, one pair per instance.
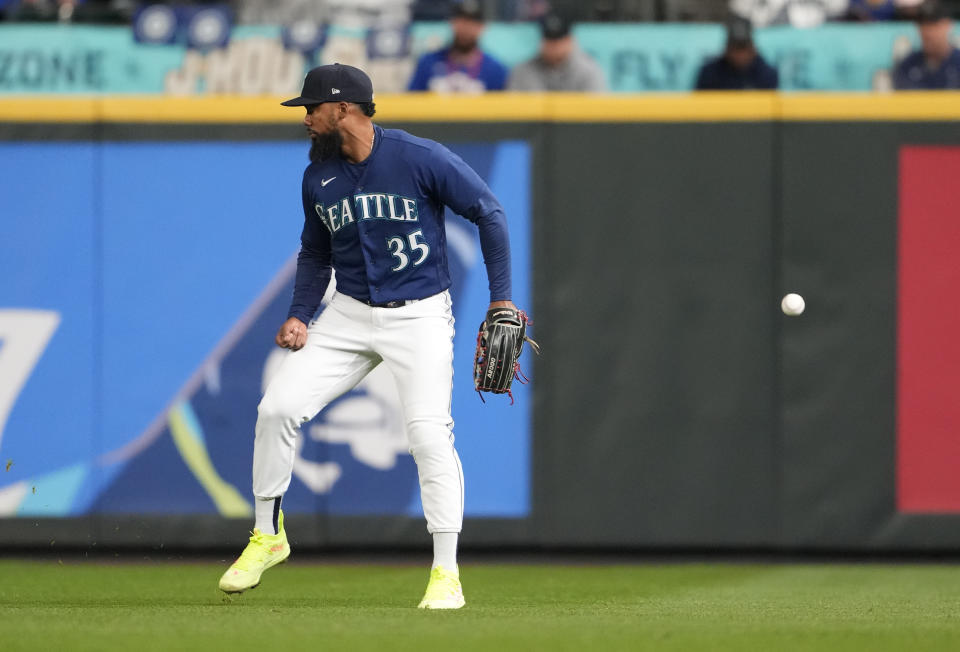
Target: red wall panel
{"points": [[928, 347]]}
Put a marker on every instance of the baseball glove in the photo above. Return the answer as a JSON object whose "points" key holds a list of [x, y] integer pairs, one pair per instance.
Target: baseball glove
{"points": [[499, 344]]}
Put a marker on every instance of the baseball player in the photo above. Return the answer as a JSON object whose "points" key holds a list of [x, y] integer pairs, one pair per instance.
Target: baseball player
{"points": [[373, 203]]}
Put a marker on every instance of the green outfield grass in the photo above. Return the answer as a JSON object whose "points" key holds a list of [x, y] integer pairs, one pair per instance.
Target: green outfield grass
{"points": [[301, 606]]}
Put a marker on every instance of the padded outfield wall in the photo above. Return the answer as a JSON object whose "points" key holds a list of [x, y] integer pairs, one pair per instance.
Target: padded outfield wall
{"points": [[146, 247]]}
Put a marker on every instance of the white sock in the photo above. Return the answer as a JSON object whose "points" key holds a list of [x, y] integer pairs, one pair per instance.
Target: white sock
{"points": [[445, 550], [267, 511]]}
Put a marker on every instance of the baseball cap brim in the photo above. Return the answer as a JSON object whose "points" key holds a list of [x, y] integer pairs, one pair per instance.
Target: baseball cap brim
{"points": [[301, 101]]}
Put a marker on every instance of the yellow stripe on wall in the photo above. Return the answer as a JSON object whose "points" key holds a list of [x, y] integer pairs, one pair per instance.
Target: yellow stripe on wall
{"points": [[687, 107], [912, 106], [219, 109], [501, 107], [492, 107], [53, 108]]}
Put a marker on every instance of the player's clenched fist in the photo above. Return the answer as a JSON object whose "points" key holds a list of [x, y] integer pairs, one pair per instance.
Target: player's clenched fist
{"points": [[292, 335]]}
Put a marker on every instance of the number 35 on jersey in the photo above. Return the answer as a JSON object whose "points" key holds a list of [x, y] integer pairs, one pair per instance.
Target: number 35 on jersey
{"points": [[399, 247]]}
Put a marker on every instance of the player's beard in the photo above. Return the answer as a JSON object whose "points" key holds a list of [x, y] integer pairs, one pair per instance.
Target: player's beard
{"points": [[463, 44], [324, 146]]}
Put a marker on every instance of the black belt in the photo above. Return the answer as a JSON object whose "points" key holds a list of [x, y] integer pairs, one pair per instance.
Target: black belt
{"points": [[400, 303]]}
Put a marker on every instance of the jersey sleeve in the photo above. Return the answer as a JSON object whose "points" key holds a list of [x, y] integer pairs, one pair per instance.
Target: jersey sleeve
{"points": [[496, 76], [458, 186], [313, 263], [705, 81], [770, 78], [524, 78], [901, 76], [421, 75], [591, 78]]}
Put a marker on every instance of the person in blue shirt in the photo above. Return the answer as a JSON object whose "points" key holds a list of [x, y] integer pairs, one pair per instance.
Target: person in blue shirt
{"points": [[740, 67], [936, 65], [462, 67], [373, 207], [872, 10]]}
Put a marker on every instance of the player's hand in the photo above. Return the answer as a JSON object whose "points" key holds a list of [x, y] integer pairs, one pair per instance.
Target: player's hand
{"points": [[292, 335], [501, 304]]}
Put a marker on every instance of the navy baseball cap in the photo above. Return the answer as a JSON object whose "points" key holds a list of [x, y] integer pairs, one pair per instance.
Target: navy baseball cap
{"points": [[334, 83], [554, 26], [739, 32], [469, 9], [931, 11]]}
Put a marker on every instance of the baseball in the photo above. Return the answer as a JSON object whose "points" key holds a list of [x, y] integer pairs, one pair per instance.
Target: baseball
{"points": [[792, 304]]}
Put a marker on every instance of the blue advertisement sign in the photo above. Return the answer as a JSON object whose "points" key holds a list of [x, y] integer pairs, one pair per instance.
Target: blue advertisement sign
{"points": [[136, 337]]}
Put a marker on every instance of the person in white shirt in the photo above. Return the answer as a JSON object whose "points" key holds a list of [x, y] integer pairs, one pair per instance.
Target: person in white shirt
{"points": [[560, 65]]}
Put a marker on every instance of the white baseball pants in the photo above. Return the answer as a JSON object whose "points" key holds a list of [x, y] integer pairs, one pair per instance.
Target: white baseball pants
{"points": [[343, 345]]}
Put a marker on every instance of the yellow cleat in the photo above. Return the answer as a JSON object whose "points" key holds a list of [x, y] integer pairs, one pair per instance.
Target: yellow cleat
{"points": [[443, 591], [264, 551]]}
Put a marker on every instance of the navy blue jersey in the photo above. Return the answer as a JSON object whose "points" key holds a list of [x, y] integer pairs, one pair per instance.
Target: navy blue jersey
{"points": [[380, 224], [436, 71], [719, 75], [913, 73]]}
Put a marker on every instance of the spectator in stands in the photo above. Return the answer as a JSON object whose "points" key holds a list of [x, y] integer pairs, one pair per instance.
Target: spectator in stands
{"points": [[936, 65], [867, 11], [38, 10], [560, 66], [798, 13], [462, 67], [740, 67]]}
